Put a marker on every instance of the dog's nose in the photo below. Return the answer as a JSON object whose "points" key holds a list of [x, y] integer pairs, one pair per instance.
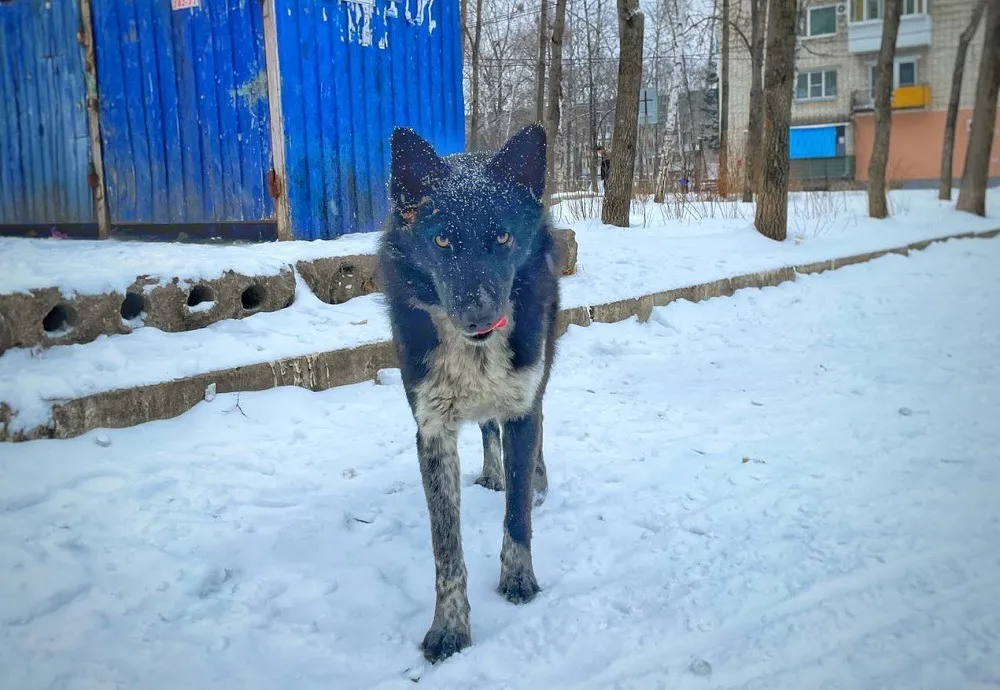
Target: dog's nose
{"points": [[481, 322]]}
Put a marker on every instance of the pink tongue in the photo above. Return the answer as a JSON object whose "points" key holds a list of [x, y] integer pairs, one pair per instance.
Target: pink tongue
{"points": [[500, 323]]}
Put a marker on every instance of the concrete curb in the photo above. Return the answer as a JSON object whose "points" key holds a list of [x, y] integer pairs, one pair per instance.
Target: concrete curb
{"points": [[131, 406]]}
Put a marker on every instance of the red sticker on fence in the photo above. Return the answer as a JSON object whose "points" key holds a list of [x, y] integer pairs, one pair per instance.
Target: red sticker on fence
{"points": [[184, 4]]}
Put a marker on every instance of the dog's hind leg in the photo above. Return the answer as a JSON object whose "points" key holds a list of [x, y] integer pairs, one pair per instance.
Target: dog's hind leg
{"points": [[540, 477], [492, 474], [521, 438], [450, 631]]}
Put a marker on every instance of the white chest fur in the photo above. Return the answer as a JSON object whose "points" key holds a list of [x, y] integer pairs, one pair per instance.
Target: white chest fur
{"points": [[474, 383]]}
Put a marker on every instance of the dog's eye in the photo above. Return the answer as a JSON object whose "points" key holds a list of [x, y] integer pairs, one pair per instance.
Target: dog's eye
{"points": [[503, 238], [442, 242], [408, 214]]}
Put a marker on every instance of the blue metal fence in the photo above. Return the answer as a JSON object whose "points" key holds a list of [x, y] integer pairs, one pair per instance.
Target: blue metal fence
{"points": [[185, 117], [350, 71], [44, 143]]}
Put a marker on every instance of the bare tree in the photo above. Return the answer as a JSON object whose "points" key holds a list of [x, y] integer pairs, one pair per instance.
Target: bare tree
{"points": [[771, 219], [878, 204], [682, 57], [618, 187], [507, 68], [957, 75], [592, 46], [555, 93], [755, 125], [463, 20], [474, 58], [543, 31], [663, 80], [972, 194], [722, 181]]}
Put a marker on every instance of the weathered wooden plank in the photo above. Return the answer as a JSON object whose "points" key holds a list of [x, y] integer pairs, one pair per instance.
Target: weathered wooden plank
{"points": [[278, 184], [93, 119]]}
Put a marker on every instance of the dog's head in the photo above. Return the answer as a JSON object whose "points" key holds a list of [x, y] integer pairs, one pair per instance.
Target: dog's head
{"points": [[468, 222]]}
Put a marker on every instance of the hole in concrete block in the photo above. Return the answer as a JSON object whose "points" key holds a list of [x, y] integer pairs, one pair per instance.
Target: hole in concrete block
{"points": [[133, 306], [201, 298], [253, 297], [60, 320]]}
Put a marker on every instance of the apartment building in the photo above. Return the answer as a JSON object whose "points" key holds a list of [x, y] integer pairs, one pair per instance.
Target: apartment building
{"points": [[832, 108]]}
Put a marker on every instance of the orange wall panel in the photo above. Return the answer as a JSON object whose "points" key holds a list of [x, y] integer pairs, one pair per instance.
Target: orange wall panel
{"points": [[915, 145]]}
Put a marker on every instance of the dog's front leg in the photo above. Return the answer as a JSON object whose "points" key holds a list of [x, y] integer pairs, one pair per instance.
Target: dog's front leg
{"points": [[540, 479], [440, 470], [521, 442]]}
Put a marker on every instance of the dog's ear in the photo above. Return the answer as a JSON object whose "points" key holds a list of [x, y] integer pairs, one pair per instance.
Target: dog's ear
{"points": [[522, 160], [414, 167]]}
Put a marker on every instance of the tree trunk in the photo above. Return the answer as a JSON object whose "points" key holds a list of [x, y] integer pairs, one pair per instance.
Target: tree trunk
{"points": [[555, 91], [618, 186], [476, 42], [878, 204], [771, 219], [463, 20], [543, 31], [660, 189], [659, 34], [755, 135], [722, 181], [972, 194], [591, 101], [676, 29], [957, 75]]}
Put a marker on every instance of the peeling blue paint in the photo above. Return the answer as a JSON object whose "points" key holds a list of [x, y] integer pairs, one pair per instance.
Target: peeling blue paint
{"points": [[184, 111], [344, 87]]}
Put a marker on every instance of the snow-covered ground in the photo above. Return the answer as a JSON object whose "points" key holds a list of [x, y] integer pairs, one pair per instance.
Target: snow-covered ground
{"points": [[681, 243], [795, 487], [672, 245], [96, 266]]}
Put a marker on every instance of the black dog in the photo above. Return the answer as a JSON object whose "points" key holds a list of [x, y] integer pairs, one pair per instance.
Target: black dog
{"points": [[467, 264]]}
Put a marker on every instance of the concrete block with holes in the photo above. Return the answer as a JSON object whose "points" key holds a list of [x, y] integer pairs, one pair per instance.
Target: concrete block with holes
{"points": [[45, 317]]}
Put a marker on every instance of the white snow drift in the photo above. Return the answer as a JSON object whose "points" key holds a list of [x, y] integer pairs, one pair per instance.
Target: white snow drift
{"points": [[795, 487]]}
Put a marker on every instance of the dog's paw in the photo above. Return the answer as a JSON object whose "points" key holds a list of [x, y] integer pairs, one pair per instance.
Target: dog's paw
{"points": [[518, 587], [441, 642], [491, 482]]}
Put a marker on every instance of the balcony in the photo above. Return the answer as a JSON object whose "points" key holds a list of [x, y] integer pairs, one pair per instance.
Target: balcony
{"points": [[866, 36], [903, 98], [908, 97]]}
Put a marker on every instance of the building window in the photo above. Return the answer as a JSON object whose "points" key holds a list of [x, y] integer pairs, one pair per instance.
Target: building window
{"points": [[821, 21], [815, 86], [866, 10], [904, 73], [869, 10]]}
